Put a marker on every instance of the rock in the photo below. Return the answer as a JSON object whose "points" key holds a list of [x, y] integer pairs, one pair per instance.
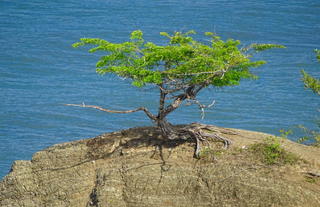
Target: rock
{"points": [[137, 168]]}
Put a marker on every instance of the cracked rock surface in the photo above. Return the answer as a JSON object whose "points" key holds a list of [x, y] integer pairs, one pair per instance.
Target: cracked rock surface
{"points": [[137, 168]]}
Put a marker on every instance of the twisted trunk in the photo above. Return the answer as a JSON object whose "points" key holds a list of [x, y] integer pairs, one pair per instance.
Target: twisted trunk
{"points": [[167, 129], [193, 131]]}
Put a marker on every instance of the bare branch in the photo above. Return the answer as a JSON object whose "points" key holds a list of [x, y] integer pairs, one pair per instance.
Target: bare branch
{"points": [[148, 113], [201, 106], [175, 104], [217, 72], [168, 91]]}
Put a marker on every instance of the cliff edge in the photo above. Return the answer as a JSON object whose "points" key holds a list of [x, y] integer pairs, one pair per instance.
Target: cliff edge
{"points": [[136, 168]]}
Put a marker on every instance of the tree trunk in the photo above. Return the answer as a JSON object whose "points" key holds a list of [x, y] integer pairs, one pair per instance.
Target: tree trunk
{"points": [[168, 131], [197, 132]]}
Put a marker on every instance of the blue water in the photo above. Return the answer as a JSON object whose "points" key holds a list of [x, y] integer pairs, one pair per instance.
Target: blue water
{"points": [[40, 71]]}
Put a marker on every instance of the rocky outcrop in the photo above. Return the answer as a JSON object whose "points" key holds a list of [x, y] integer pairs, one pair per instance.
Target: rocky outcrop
{"points": [[136, 168]]}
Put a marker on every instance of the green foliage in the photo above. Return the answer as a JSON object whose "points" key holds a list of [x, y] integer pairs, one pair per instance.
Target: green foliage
{"points": [[310, 81], [310, 135], [310, 179], [270, 152], [317, 54], [261, 47], [183, 59], [285, 133], [314, 84], [207, 154]]}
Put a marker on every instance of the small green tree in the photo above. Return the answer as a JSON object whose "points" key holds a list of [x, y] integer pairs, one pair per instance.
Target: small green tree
{"points": [[313, 84], [180, 70], [310, 81]]}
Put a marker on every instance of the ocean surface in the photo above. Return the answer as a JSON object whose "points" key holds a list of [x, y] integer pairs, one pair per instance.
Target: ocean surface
{"points": [[40, 71]]}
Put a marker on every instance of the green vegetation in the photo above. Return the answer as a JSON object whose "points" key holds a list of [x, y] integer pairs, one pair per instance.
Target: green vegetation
{"points": [[310, 179], [209, 154], [310, 81], [285, 133], [310, 135], [270, 152], [314, 84], [179, 70]]}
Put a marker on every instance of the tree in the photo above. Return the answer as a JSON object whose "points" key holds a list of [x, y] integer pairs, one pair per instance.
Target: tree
{"points": [[310, 81], [313, 84], [180, 70]]}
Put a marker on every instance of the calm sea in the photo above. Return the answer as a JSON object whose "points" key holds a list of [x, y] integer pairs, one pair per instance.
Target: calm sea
{"points": [[40, 71]]}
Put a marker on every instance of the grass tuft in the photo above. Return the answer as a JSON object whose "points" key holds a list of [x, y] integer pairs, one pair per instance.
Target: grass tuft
{"points": [[209, 154], [270, 152]]}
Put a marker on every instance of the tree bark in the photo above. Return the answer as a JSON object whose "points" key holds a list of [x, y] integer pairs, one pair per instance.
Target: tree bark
{"points": [[168, 131]]}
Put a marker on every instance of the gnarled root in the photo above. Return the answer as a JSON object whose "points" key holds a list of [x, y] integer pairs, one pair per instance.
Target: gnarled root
{"points": [[200, 133]]}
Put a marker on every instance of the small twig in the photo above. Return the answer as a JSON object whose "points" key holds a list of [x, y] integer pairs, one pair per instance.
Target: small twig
{"points": [[201, 106], [218, 72], [313, 174], [210, 105], [168, 91]]}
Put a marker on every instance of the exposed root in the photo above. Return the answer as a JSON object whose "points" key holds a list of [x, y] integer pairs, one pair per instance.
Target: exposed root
{"points": [[198, 132], [201, 133]]}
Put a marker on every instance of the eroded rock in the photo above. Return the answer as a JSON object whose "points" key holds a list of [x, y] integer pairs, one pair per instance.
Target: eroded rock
{"points": [[136, 168]]}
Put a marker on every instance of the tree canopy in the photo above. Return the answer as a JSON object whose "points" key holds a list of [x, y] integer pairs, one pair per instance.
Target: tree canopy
{"points": [[181, 63]]}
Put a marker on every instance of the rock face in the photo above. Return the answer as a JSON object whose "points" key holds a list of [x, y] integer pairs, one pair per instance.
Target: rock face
{"points": [[136, 168]]}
